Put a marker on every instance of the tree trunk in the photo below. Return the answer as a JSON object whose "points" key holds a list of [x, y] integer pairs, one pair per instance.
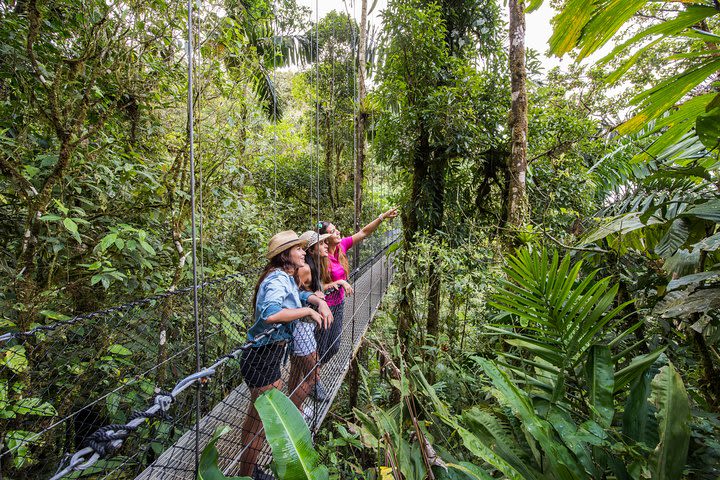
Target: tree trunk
{"points": [[354, 374], [360, 128], [435, 183], [516, 199]]}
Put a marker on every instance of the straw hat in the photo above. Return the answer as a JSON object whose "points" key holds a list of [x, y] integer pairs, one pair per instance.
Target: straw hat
{"points": [[283, 241], [312, 237]]}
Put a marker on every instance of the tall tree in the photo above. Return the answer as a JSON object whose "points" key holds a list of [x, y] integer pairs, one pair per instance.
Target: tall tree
{"points": [[360, 122], [429, 90], [516, 200]]}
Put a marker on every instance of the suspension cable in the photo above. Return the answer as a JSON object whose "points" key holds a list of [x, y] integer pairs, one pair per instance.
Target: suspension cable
{"points": [[191, 141], [108, 439], [275, 119], [317, 115]]}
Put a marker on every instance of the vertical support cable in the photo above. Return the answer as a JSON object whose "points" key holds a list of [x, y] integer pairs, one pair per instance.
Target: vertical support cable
{"points": [[275, 100], [317, 110], [191, 140]]}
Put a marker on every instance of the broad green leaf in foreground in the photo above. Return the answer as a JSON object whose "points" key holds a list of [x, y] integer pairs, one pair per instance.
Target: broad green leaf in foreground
{"points": [[289, 437], [673, 413], [208, 468]]}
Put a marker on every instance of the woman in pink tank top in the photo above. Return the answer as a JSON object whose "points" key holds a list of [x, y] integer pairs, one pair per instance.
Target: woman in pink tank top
{"points": [[335, 280]]}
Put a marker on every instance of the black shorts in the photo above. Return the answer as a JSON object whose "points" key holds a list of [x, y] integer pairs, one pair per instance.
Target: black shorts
{"points": [[328, 340], [260, 366]]}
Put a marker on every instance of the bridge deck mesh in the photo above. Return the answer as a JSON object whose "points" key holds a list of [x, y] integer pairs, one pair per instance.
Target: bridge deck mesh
{"points": [[178, 461]]}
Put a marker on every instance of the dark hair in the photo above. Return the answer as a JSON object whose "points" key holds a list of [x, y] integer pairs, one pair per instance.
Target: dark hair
{"points": [[342, 258], [314, 276], [280, 261]]}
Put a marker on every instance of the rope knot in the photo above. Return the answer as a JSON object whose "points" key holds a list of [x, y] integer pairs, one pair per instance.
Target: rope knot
{"points": [[106, 440], [163, 399]]}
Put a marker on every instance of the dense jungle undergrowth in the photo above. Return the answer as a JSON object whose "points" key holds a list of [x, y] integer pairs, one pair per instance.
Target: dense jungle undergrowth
{"points": [[556, 309]]}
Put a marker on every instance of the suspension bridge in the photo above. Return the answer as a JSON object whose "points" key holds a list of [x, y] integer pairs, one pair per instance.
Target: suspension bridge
{"points": [[144, 350], [163, 372]]}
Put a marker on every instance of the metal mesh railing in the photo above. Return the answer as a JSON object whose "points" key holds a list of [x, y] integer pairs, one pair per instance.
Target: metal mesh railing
{"points": [[58, 386], [370, 283]]}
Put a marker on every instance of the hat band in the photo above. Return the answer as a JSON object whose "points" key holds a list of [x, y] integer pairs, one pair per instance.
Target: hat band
{"points": [[279, 247]]}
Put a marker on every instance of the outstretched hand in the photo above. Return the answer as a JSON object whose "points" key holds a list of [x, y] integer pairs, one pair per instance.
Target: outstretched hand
{"points": [[392, 213]]}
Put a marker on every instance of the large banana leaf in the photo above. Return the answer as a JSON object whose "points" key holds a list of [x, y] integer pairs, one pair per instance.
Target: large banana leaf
{"points": [[208, 468], [294, 457], [639, 421], [601, 382], [673, 413]]}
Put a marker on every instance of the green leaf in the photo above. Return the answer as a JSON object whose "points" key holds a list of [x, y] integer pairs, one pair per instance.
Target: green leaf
{"points": [[573, 438], [4, 403], [695, 278], [482, 451], [673, 413], [639, 422], [692, 15], [709, 210], [709, 244], [568, 26], [674, 238], [113, 403], [471, 471], [635, 368], [289, 437], [15, 359], [147, 247], [605, 22], [72, 227], [119, 350], [533, 5], [662, 97], [53, 315], [497, 435], [708, 128], [686, 302], [208, 466], [621, 225], [601, 382], [107, 240], [51, 217], [673, 127], [63, 209], [34, 406], [561, 461], [19, 442]]}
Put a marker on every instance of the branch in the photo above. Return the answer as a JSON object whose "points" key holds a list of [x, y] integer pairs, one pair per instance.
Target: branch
{"points": [[11, 171], [568, 247]]}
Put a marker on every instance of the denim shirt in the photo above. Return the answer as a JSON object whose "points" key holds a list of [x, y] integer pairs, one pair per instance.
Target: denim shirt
{"points": [[277, 291]]}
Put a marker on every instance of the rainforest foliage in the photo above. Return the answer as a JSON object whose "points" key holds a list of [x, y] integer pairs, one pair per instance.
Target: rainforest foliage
{"points": [[577, 339]]}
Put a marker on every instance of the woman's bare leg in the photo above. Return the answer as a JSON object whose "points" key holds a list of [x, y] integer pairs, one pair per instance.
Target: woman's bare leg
{"points": [[252, 437], [303, 377]]}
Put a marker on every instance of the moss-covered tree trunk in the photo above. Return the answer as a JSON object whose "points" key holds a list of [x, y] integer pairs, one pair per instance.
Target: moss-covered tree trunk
{"points": [[516, 196]]}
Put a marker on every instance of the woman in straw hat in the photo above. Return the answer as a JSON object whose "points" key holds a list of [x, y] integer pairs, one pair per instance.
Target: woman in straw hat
{"points": [[303, 371], [277, 300]]}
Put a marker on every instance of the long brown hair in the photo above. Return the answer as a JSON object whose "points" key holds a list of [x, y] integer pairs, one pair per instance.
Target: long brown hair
{"points": [[321, 264], [342, 258], [280, 261]]}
